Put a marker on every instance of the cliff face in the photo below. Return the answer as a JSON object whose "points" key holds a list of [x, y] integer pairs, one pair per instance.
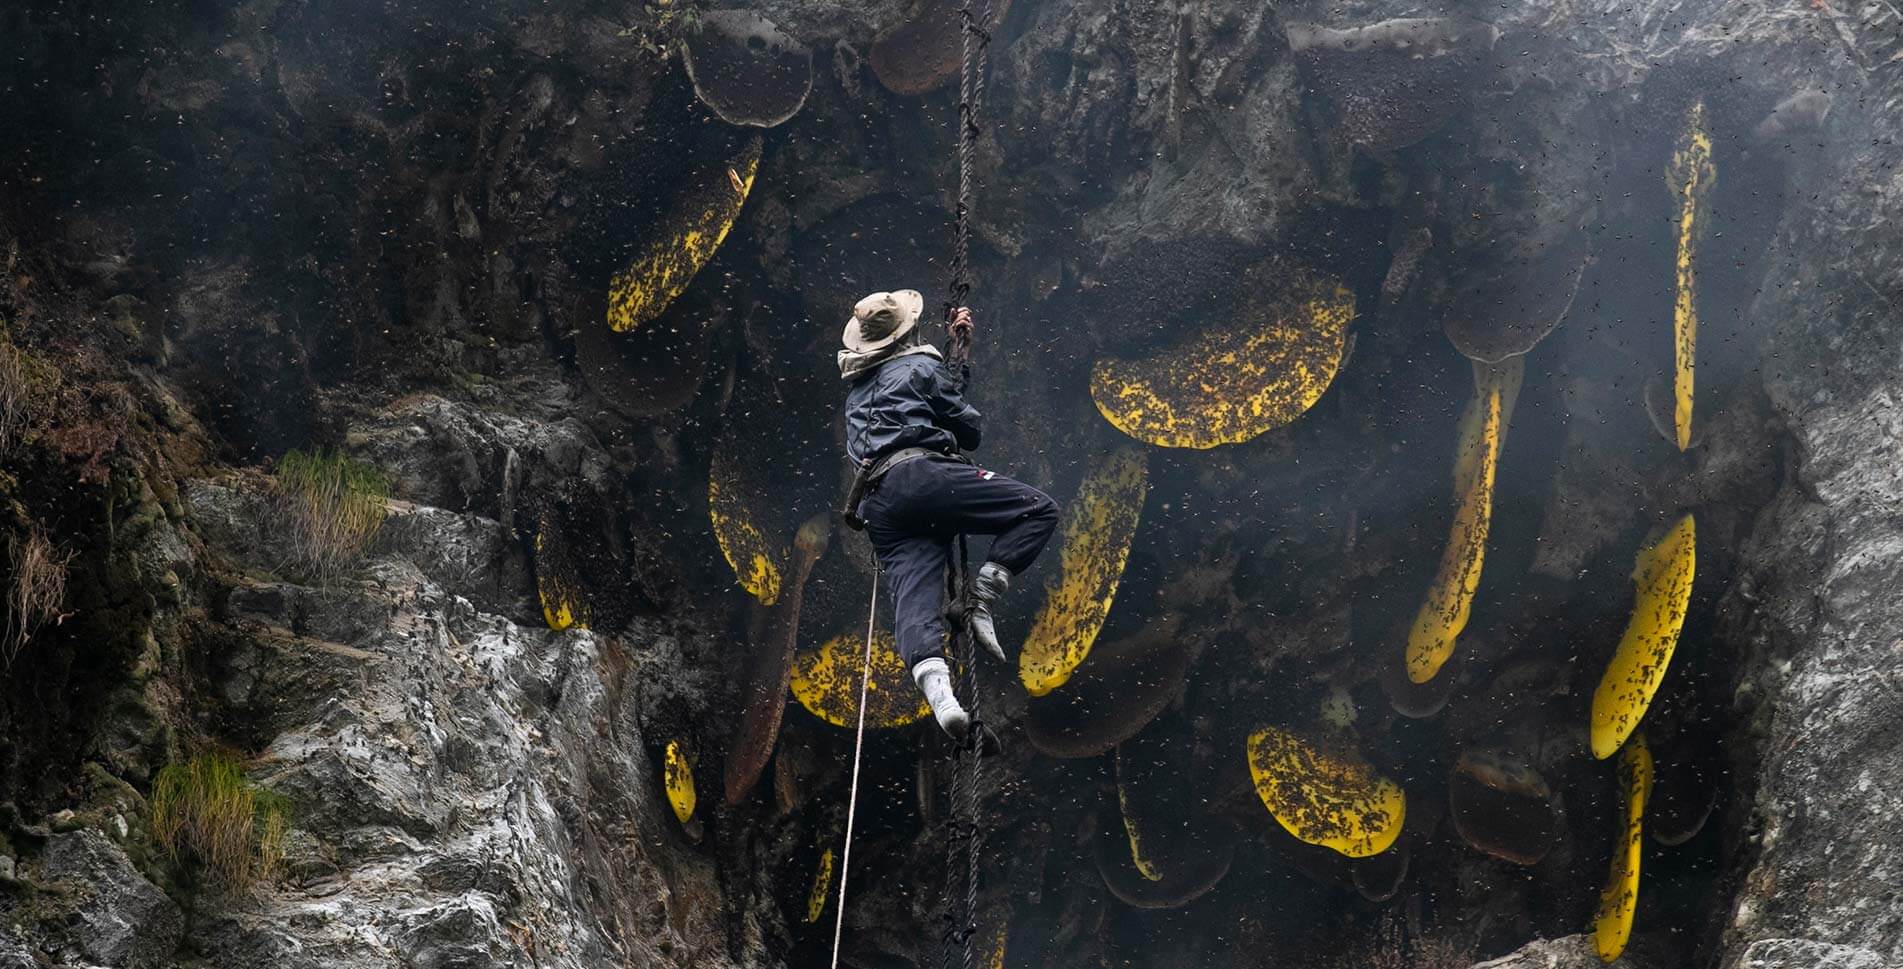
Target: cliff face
{"points": [[571, 320]]}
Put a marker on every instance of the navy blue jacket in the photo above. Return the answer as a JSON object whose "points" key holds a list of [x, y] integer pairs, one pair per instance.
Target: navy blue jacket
{"points": [[908, 401]]}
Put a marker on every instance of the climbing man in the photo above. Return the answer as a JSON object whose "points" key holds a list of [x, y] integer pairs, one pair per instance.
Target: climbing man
{"points": [[907, 425]]}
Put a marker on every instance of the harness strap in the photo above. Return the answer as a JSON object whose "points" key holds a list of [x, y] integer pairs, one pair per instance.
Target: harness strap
{"points": [[867, 475], [895, 459]]}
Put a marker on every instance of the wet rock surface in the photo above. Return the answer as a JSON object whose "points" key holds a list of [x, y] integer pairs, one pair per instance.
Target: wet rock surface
{"points": [[1571, 952], [227, 232], [1822, 690], [447, 759], [120, 918], [14, 956]]}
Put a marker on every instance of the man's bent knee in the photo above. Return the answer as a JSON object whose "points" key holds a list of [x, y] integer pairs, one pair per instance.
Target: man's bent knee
{"points": [[1046, 507], [1045, 513]]}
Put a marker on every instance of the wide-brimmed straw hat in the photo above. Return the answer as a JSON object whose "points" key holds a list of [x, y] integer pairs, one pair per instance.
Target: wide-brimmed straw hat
{"points": [[880, 320]]}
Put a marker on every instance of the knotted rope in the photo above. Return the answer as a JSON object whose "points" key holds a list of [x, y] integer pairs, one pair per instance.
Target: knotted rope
{"points": [[976, 28], [961, 921]]}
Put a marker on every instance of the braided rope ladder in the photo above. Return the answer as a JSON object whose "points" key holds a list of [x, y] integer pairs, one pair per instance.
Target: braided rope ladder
{"points": [[961, 922]]}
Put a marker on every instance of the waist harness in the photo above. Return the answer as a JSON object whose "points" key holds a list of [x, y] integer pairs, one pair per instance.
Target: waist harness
{"points": [[869, 471]]}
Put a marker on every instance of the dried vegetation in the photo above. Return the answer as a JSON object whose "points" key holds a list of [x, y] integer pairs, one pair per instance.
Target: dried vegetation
{"points": [[35, 588], [15, 397]]}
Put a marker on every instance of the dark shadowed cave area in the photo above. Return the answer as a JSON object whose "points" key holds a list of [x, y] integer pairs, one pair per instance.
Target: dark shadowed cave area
{"points": [[419, 428]]}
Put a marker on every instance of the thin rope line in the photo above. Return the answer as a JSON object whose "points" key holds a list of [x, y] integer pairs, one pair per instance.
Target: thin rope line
{"points": [[852, 800], [957, 933], [974, 750]]}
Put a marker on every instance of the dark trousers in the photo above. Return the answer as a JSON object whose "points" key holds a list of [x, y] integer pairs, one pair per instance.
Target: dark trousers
{"points": [[915, 512]]}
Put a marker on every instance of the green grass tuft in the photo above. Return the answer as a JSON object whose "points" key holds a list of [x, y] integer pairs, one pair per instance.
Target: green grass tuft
{"points": [[334, 507], [206, 810]]}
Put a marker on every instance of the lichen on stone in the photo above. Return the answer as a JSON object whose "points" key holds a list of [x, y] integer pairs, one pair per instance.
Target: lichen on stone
{"points": [[1690, 178], [1619, 900], [1099, 526], [1662, 576], [757, 561], [826, 682], [1449, 603], [688, 236], [1323, 796], [677, 776], [1235, 379]]}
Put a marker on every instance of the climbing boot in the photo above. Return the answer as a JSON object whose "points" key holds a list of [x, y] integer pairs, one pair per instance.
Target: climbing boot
{"points": [[991, 582], [934, 679]]}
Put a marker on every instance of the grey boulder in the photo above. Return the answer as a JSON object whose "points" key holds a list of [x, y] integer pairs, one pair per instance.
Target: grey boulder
{"points": [[120, 918]]}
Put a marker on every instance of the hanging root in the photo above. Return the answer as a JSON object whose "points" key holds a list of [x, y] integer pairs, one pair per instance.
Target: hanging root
{"points": [[34, 591], [14, 396]]}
